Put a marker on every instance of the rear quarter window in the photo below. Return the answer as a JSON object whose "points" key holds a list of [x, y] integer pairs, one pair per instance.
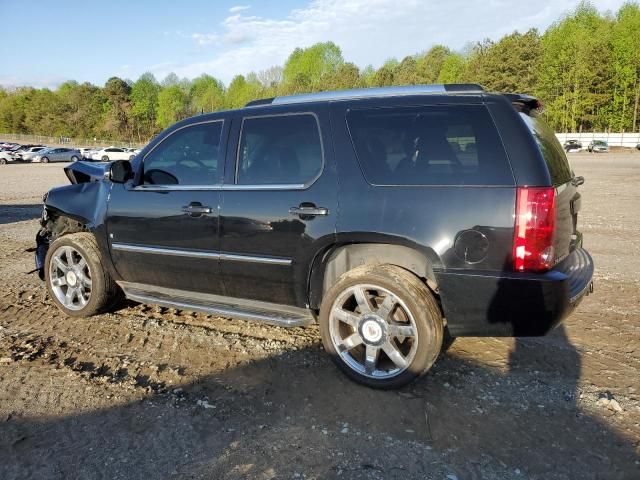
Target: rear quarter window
{"points": [[550, 148], [429, 145]]}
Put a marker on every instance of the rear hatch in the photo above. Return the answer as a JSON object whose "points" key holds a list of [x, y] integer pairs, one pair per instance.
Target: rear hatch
{"points": [[567, 197]]}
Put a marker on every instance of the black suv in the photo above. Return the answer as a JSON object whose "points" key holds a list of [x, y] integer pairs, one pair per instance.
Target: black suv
{"points": [[391, 216]]}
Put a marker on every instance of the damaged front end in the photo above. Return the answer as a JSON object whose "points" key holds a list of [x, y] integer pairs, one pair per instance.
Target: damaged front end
{"points": [[72, 208]]}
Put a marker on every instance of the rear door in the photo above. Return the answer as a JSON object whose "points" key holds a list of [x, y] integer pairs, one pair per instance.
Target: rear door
{"points": [[568, 199], [279, 202], [163, 228]]}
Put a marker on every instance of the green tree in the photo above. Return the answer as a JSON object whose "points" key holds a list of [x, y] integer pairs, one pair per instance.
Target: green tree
{"points": [[406, 73], [625, 39], [12, 110], [144, 105], [453, 68], [575, 79], [384, 76], [207, 94], [172, 103], [242, 90], [430, 63], [509, 65], [116, 109], [304, 67], [346, 76]]}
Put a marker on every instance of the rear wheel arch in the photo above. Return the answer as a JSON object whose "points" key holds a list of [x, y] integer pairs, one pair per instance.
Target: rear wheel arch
{"points": [[333, 262]]}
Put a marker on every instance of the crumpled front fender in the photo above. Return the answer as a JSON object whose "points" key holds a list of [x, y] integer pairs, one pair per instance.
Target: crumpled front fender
{"points": [[84, 202]]}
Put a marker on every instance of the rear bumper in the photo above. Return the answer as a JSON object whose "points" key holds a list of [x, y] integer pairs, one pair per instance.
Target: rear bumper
{"points": [[511, 303]]}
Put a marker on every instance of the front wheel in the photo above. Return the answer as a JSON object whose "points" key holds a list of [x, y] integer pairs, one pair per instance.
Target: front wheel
{"points": [[74, 159], [76, 279], [3, 161], [105, 158], [381, 325], [44, 160]]}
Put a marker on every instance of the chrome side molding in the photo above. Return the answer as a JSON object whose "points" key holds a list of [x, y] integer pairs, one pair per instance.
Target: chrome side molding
{"points": [[232, 257]]}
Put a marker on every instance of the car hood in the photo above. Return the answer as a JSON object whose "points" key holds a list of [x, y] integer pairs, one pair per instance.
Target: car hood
{"points": [[82, 172]]}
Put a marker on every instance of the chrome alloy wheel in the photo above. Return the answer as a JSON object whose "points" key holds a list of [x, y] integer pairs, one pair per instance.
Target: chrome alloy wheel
{"points": [[70, 278], [373, 331]]}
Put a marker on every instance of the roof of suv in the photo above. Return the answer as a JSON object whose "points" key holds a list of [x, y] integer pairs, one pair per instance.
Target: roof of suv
{"points": [[453, 88]]}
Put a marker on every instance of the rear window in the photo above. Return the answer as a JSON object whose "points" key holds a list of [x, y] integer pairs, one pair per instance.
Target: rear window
{"points": [[429, 145], [279, 150], [553, 153]]}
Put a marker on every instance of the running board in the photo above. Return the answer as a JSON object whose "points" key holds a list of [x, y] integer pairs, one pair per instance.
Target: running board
{"points": [[270, 313]]}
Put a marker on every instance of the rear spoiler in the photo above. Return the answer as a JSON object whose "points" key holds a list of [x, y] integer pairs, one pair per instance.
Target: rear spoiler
{"points": [[524, 103]]}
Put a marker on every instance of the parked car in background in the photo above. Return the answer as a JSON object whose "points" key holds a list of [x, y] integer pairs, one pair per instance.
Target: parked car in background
{"points": [[59, 154], [256, 224], [9, 146], [86, 152], [28, 154], [598, 146], [8, 157], [572, 146], [112, 153]]}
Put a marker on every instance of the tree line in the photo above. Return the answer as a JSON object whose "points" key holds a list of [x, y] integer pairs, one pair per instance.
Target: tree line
{"points": [[585, 68]]}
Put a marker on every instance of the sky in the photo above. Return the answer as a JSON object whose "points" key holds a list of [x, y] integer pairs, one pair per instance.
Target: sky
{"points": [[43, 43]]}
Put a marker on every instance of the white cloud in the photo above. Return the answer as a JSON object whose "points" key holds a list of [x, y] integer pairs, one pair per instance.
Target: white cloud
{"points": [[50, 82], [204, 38], [239, 8], [368, 31]]}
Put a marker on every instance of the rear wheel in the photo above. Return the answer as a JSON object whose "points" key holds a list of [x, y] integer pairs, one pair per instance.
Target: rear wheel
{"points": [[76, 279], [44, 160], [3, 161], [74, 159], [105, 158], [381, 325]]}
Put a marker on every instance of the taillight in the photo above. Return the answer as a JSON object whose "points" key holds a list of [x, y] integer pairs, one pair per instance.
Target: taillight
{"points": [[534, 229]]}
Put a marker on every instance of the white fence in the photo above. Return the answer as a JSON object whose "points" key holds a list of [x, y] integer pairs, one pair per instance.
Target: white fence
{"points": [[629, 140], [58, 141]]}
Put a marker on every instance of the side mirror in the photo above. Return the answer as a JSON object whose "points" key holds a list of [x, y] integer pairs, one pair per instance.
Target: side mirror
{"points": [[120, 171]]}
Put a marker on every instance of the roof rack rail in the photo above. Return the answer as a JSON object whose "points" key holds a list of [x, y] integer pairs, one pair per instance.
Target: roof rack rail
{"points": [[371, 92]]}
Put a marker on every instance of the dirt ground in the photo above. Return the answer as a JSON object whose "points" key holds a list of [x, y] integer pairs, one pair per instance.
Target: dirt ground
{"points": [[149, 392]]}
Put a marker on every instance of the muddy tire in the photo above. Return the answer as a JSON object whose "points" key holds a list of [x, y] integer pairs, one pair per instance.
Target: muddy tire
{"points": [[381, 325], [76, 278]]}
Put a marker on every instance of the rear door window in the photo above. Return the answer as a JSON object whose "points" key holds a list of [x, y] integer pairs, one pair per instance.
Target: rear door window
{"points": [[553, 153], [429, 145], [279, 150]]}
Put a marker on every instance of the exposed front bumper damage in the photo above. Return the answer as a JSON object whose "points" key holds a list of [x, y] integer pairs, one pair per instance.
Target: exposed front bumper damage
{"points": [[477, 303], [72, 208]]}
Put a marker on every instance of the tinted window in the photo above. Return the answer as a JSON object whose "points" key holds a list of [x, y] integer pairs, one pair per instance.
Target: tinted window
{"points": [[553, 153], [190, 156], [439, 145], [279, 150]]}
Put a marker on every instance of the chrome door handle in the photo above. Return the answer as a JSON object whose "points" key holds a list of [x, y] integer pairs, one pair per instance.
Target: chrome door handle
{"points": [[196, 210], [309, 211]]}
